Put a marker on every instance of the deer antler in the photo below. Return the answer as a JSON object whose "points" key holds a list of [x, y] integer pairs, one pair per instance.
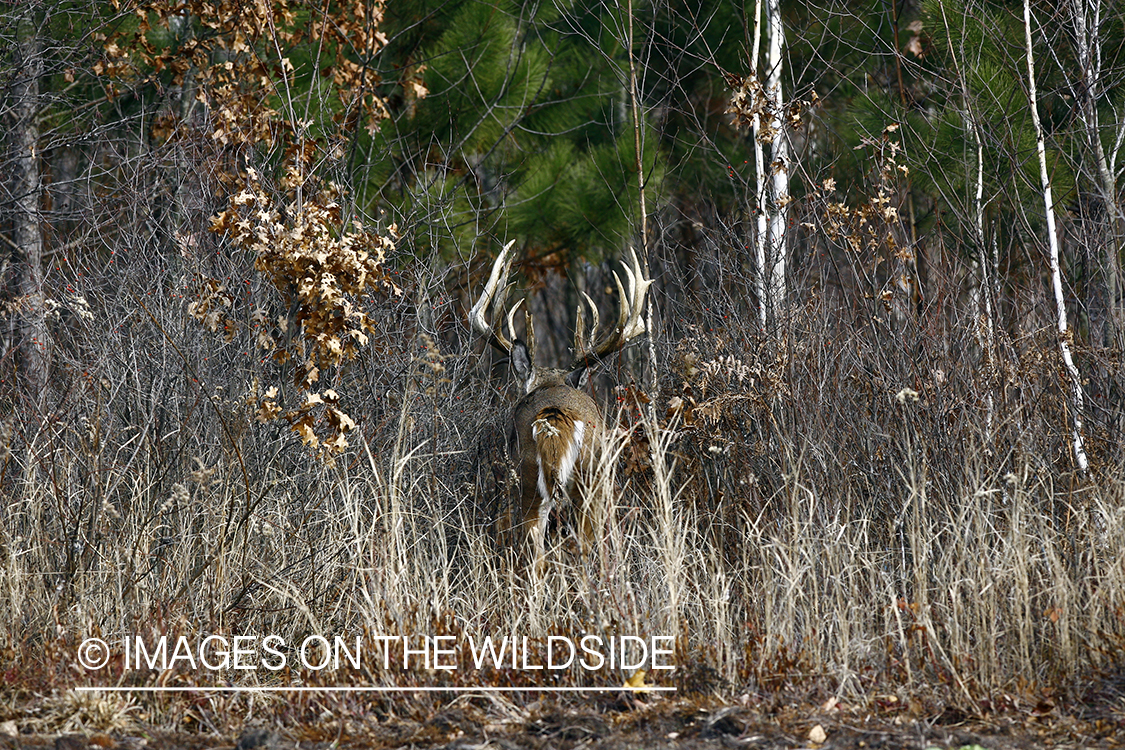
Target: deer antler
{"points": [[630, 322], [494, 297]]}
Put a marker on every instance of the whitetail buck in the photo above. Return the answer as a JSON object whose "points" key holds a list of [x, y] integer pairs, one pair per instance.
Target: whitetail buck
{"points": [[556, 429]]}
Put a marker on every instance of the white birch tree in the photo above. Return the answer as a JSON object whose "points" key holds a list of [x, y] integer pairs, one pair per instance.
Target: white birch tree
{"points": [[1086, 21], [779, 160], [983, 303], [1053, 245], [760, 205]]}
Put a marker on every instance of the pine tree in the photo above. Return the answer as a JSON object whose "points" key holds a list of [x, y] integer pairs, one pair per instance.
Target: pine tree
{"points": [[524, 129]]}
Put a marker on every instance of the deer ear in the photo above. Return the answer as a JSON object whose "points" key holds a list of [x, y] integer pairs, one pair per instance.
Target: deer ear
{"points": [[577, 379], [521, 360]]}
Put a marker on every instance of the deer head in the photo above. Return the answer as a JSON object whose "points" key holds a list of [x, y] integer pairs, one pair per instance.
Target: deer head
{"points": [[556, 429]]}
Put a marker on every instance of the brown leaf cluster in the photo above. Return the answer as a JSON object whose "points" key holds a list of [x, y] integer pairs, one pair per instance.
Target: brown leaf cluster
{"points": [[749, 99], [872, 232], [235, 61], [322, 274], [211, 306], [218, 64], [233, 57]]}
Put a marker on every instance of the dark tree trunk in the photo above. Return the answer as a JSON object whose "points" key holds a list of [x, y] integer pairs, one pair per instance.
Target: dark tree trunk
{"points": [[29, 319]]}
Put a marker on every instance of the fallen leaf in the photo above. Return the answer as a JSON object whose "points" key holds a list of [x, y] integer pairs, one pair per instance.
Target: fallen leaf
{"points": [[637, 681], [817, 735]]}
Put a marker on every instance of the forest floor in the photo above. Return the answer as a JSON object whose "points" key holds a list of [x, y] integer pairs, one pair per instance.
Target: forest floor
{"points": [[477, 723]]}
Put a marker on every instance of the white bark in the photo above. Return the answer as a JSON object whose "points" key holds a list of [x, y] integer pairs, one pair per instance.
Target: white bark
{"points": [[634, 105], [1053, 243], [761, 207], [983, 304], [1086, 18], [779, 161], [985, 262]]}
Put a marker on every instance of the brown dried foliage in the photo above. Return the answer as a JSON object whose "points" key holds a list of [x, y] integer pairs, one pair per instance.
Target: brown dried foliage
{"points": [[231, 57], [321, 274]]}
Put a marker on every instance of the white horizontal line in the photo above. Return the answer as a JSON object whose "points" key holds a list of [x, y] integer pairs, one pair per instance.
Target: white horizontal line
{"points": [[421, 689]]}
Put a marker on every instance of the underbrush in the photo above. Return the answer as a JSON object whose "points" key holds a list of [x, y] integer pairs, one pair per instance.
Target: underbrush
{"points": [[860, 515]]}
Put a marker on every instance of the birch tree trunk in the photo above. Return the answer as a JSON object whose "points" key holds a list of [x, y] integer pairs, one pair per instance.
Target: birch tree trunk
{"points": [[1053, 243], [761, 208], [982, 305], [779, 161], [1086, 19], [29, 319], [986, 267]]}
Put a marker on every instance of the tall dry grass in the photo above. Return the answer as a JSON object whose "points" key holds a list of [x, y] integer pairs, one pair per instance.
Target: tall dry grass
{"points": [[1001, 584], [829, 509]]}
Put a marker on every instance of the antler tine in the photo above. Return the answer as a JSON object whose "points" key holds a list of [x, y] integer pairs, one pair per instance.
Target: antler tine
{"points": [[581, 351], [639, 285], [489, 299], [625, 309], [630, 319], [512, 319], [529, 333], [579, 330]]}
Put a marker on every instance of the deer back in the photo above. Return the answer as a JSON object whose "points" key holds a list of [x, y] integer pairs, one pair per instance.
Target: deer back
{"points": [[554, 430]]}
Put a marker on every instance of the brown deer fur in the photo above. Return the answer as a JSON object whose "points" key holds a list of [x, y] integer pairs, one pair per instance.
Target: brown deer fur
{"points": [[556, 428]]}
